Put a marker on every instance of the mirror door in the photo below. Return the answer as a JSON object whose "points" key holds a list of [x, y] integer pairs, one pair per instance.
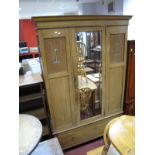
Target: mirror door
{"points": [[89, 73]]}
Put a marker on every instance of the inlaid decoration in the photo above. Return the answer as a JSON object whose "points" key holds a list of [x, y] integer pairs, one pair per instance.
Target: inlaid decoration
{"points": [[56, 55]]}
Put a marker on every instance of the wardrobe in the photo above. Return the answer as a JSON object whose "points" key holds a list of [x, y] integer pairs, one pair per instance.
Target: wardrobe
{"points": [[84, 67]]}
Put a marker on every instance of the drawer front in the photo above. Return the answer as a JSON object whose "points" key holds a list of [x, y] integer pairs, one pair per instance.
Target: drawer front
{"points": [[83, 134]]}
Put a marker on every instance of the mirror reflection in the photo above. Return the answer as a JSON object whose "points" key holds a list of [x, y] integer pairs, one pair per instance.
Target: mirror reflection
{"points": [[89, 73]]}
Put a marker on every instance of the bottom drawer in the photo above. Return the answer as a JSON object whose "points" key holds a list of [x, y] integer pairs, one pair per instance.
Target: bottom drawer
{"points": [[83, 133]]}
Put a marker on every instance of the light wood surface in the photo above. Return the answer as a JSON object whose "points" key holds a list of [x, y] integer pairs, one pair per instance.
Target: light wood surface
{"points": [[56, 60], [84, 132], [122, 134], [115, 87], [107, 148], [48, 147], [28, 79], [64, 109], [60, 102], [78, 21], [30, 131], [57, 76], [116, 63], [80, 18]]}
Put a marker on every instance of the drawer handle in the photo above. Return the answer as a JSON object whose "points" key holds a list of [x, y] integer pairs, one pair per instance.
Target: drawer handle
{"points": [[57, 33], [56, 61]]}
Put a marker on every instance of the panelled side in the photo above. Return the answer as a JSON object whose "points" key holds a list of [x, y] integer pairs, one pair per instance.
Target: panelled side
{"points": [[116, 65]]}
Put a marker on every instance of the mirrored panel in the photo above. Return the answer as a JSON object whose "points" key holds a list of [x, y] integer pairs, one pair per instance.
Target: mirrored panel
{"points": [[89, 64]]}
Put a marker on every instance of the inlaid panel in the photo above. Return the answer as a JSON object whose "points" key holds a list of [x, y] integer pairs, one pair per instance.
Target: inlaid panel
{"points": [[117, 48], [56, 55]]}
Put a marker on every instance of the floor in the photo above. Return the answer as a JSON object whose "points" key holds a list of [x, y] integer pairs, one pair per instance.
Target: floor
{"points": [[83, 149]]}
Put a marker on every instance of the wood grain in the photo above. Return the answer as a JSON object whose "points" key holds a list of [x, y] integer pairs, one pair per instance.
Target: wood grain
{"points": [[79, 18], [62, 81], [116, 71], [122, 134], [60, 102], [83, 133], [115, 90]]}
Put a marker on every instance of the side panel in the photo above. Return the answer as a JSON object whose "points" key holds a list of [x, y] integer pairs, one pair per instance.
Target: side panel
{"points": [[116, 66]]}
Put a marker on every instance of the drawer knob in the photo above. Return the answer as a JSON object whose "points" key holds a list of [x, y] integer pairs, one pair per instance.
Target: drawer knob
{"points": [[57, 33]]}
